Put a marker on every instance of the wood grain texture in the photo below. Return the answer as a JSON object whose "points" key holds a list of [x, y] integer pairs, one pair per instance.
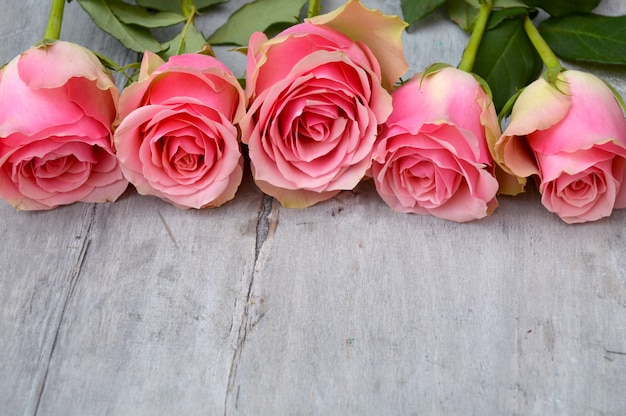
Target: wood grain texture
{"points": [[413, 315], [153, 321], [40, 257], [137, 307]]}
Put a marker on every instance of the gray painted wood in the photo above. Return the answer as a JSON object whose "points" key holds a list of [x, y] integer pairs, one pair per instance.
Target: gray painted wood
{"points": [[137, 307], [518, 314], [41, 257], [152, 325]]}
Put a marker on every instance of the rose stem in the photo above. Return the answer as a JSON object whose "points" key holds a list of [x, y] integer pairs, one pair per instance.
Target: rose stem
{"points": [[189, 11], [469, 55], [314, 8], [553, 66], [53, 30]]}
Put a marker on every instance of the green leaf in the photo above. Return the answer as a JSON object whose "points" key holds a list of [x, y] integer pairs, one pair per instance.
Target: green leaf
{"points": [[499, 16], [203, 4], [462, 13], [414, 10], [176, 6], [136, 15], [502, 4], [132, 37], [254, 17], [190, 41], [588, 37], [275, 28], [560, 8], [506, 60], [473, 3]]}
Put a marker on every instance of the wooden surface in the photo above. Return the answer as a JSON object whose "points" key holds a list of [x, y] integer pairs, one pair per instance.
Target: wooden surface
{"points": [[139, 308]]}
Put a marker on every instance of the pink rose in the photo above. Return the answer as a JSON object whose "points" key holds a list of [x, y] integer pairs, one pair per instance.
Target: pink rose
{"points": [[317, 99], [57, 106], [432, 155], [572, 139], [178, 138]]}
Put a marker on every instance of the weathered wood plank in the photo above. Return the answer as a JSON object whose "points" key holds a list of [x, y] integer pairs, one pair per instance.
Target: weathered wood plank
{"points": [[154, 317], [40, 253], [138, 307], [40, 256], [396, 314], [516, 314], [392, 314], [21, 25]]}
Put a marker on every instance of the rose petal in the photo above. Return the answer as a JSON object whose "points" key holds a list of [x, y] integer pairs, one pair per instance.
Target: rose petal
{"points": [[553, 166], [149, 63], [539, 107], [294, 198], [27, 111], [594, 117], [558, 198], [68, 60], [381, 33]]}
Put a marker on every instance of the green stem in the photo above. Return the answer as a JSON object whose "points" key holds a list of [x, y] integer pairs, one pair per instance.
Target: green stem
{"points": [[188, 8], [314, 8], [189, 11], [552, 63], [53, 30], [469, 55]]}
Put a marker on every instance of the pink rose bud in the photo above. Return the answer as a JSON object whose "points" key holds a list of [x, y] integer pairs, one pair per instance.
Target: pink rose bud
{"points": [[57, 106], [571, 138], [432, 155], [178, 138], [317, 100]]}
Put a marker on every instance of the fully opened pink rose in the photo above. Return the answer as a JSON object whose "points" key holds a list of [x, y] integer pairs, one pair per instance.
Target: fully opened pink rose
{"points": [[317, 100], [57, 106], [178, 138], [432, 155], [571, 138]]}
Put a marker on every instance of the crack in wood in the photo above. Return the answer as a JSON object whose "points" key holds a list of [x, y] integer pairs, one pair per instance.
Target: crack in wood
{"points": [[263, 224], [168, 229], [266, 225], [40, 384]]}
